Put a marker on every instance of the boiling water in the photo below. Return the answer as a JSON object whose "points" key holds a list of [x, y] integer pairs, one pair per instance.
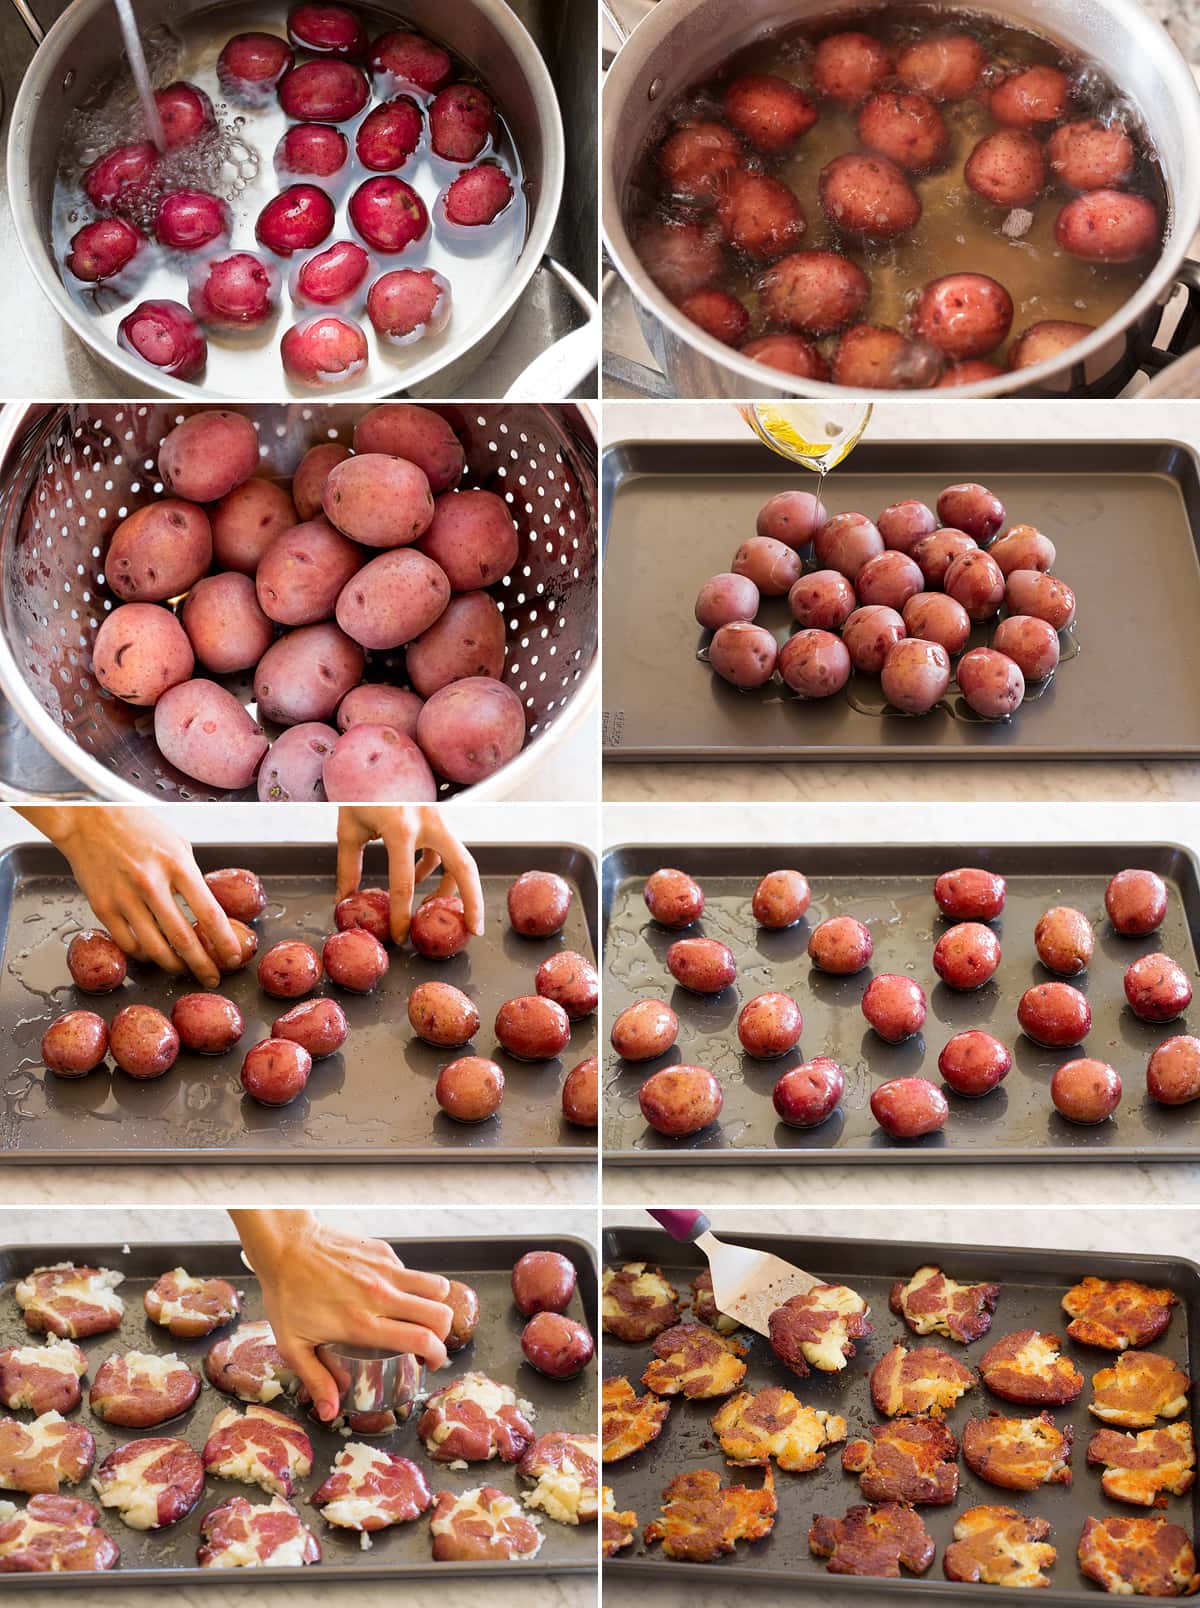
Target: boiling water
{"points": [[235, 161]]}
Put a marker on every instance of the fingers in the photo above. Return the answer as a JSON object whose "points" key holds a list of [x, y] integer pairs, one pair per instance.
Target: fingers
{"points": [[432, 1315], [184, 941], [407, 1337], [150, 940], [314, 1376], [427, 865], [213, 921], [460, 865], [118, 929], [400, 841], [351, 841]]}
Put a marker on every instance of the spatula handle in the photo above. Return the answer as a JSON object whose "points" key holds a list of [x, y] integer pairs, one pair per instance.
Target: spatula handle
{"points": [[680, 1224]]}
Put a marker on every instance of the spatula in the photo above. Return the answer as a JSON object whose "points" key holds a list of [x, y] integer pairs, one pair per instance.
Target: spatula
{"points": [[747, 1285]]}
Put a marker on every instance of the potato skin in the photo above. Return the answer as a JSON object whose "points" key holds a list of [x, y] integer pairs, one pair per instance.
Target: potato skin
{"points": [[823, 599], [95, 961], [542, 1281], [846, 543], [814, 664], [723, 599], [673, 898], [142, 1042], [1007, 168], [317, 1025], [970, 894], [991, 683], [680, 1100], [946, 67], [894, 1006], [208, 454], [442, 1015], [306, 674], [868, 197], [379, 704], [701, 965], [75, 1043], [405, 430], [1090, 155], [141, 651], [1064, 941], [847, 66], [966, 956], [1136, 902], [556, 1346], [974, 1063], [934, 617], [770, 112], [303, 570], [247, 520], [295, 764], [1085, 1091], [869, 635], [907, 1108], [645, 1030], [841, 945], [816, 292], [905, 126], [902, 525], [772, 566], [1046, 339], [210, 1024], [760, 217], [538, 904], [225, 626], [311, 474], [769, 1025], [964, 315], [1054, 1014], [808, 1095], [472, 538], [1023, 547], [470, 1089], [378, 500], [1157, 988], [781, 899], [471, 729], [935, 554], [392, 599], [532, 1028], [206, 733], [464, 1304], [1173, 1071], [581, 1094], [745, 655], [1031, 644], [368, 907], [289, 969], [915, 675], [1108, 226], [694, 160], [380, 764], [1044, 597], [570, 981], [354, 960], [889, 579], [974, 580], [1030, 96], [275, 1072], [438, 928], [467, 639], [971, 508], [159, 551]]}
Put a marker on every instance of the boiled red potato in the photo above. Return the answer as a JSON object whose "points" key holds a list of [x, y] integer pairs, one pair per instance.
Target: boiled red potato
{"points": [[463, 1302], [991, 683], [789, 353], [972, 373], [974, 1063], [944, 66], [532, 1028], [743, 654], [378, 763], [165, 335], [204, 731], [1042, 342], [718, 314], [772, 566], [935, 554], [1085, 1091], [1091, 155], [570, 981], [418, 434], [759, 216], [905, 126], [1007, 168], [1157, 988], [247, 942], [869, 636], [915, 675], [814, 291], [847, 66], [873, 357], [289, 969], [295, 764], [142, 1042], [75, 1043], [808, 1095], [770, 112], [300, 574], [781, 899], [472, 539], [1064, 940], [815, 664], [701, 965], [470, 1089], [367, 907], [305, 675], [1054, 1014], [974, 579], [1136, 902], [556, 1346], [841, 945], [1031, 644], [894, 1006], [694, 161], [673, 898], [317, 1025], [1030, 97], [1108, 226], [967, 956], [1045, 597], [1023, 547], [971, 508], [902, 525], [908, 1108], [470, 729], [538, 904], [868, 197], [1173, 1071], [380, 704], [769, 1025], [846, 543], [890, 579], [964, 315], [681, 1100], [823, 599], [354, 960], [543, 1281], [581, 1094], [726, 598], [680, 257], [275, 1072], [95, 961], [645, 1030], [970, 894], [438, 929], [207, 1023], [934, 617], [791, 517]]}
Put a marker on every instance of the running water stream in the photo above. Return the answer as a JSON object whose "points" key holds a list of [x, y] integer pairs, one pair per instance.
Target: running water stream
{"points": [[141, 73]]}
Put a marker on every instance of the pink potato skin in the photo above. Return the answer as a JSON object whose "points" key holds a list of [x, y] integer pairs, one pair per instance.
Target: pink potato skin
{"points": [[915, 675], [471, 728], [289, 969], [323, 92], [392, 599], [141, 651], [407, 305], [412, 58], [472, 538], [306, 674], [808, 1095], [368, 907], [378, 500], [354, 959], [680, 1100], [75, 1044], [317, 1025], [1031, 644], [908, 1108], [934, 617], [302, 572], [973, 1063], [377, 764], [227, 629], [377, 704], [292, 769], [275, 1072], [1173, 1071], [209, 1024], [142, 1042], [158, 552], [323, 350], [206, 733], [823, 599], [208, 454], [461, 121], [247, 520], [423, 437], [308, 483], [467, 639], [1136, 902]]}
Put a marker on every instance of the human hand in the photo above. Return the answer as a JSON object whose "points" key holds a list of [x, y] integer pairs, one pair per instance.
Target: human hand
{"points": [[320, 1285], [129, 867], [405, 829]]}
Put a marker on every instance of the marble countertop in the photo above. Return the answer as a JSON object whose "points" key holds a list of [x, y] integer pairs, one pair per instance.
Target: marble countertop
{"points": [[548, 1183], [1140, 1183], [69, 1225], [1158, 1231], [915, 419]]}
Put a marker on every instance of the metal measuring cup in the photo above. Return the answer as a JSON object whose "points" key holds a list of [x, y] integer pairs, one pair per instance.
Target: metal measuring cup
{"points": [[371, 1380]]}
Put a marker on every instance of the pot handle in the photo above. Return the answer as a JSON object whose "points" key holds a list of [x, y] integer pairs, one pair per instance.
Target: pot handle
{"points": [[1176, 367], [562, 368], [36, 32], [617, 22]]}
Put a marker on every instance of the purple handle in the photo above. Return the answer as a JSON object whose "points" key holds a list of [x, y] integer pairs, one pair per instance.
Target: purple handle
{"points": [[679, 1224]]}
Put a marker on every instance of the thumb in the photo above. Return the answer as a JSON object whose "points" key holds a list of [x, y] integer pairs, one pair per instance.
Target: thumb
{"points": [[318, 1381]]}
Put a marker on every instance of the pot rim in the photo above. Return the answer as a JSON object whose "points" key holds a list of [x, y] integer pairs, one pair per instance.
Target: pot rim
{"points": [[142, 378], [1154, 289]]}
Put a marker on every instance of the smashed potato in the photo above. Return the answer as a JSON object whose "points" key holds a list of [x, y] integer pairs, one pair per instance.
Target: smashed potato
{"points": [[909, 1460], [926, 1380], [1138, 1557], [629, 1421], [1140, 1468], [1117, 1314], [754, 1427], [702, 1520], [1140, 1387], [637, 1302], [693, 1361], [1018, 1454], [818, 1328], [1029, 1367], [933, 1303], [999, 1547], [873, 1541]]}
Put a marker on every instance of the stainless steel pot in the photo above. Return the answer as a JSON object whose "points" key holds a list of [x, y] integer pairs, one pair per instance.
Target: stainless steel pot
{"points": [[681, 41], [84, 46]]}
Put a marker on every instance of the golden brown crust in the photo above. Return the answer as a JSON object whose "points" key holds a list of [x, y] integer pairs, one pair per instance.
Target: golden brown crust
{"points": [[1116, 1314], [693, 1361], [702, 1520], [753, 1427], [1144, 1468], [818, 1328], [933, 1303], [924, 1380], [617, 1530], [909, 1460], [629, 1421], [1140, 1387], [1147, 1557], [704, 1305], [1029, 1367], [873, 1541], [997, 1546], [1018, 1454], [637, 1302]]}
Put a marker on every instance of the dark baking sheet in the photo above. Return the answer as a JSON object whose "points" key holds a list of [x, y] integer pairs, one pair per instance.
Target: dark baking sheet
{"points": [[890, 887], [404, 1550], [1033, 1284], [1123, 515], [373, 1101]]}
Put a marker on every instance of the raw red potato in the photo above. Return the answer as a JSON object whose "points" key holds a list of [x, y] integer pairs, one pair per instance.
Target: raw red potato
{"points": [[726, 598], [908, 1108], [471, 537], [388, 213], [224, 625], [814, 291], [538, 904], [389, 134], [438, 929], [102, 248], [781, 899], [1030, 96], [275, 1072], [71, 1301], [471, 729], [532, 1028], [869, 636], [769, 1025], [934, 617], [159, 551], [1044, 597], [189, 1307], [354, 960], [476, 1419], [970, 894], [119, 175], [317, 1025], [377, 763], [808, 1095], [695, 160], [681, 1100], [207, 1023], [991, 683], [258, 1447], [247, 520], [240, 291], [772, 566], [152, 1482], [414, 58], [143, 1042], [871, 357], [138, 1390], [324, 351], [846, 67], [915, 675], [789, 353], [323, 92], [1091, 155], [906, 127], [75, 1044], [1008, 169], [1108, 226], [570, 981], [645, 1030], [370, 1489], [966, 956], [889, 578], [556, 1346], [185, 220], [759, 216], [718, 314], [543, 1281], [701, 965], [894, 1006], [251, 64], [1064, 941], [409, 304], [272, 1533], [302, 677], [1085, 1091], [841, 945], [973, 1063], [294, 766], [326, 30], [1030, 643], [823, 599], [332, 276], [1136, 902], [311, 150], [743, 654], [868, 197], [380, 705], [581, 1094], [165, 335], [462, 119], [1054, 1014], [964, 315], [1172, 1074], [470, 1089], [1046, 340], [1157, 988]]}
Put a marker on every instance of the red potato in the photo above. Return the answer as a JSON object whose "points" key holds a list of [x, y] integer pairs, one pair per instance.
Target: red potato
{"points": [[871, 357], [694, 160], [869, 636], [417, 434], [840, 945], [311, 151], [781, 899], [894, 1006], [294, 768], [718, 314], [462, 119], [972, 509], [1054, 1014], [1136, 902], [389, 134], [935, 554], [305, 674], [1172, 1073], [442, 1015], [388, 213], [538, 904], [102, 248], [808, 1095], [846, 543], [467, 639], [1031, 644], [1064, 941], [846, 67], [542, 1281], [392, 600], [289, 969], [120, 175], [409, 304], [788, 353], [165, 335], [969, 894], [772, 566], [206, 455], [1030, 96], [905, 126], [1108, 226], [969, 374], [438, 929], [1045, 597], [251, 64], [680, 257], [354, 960], [890, 579], [275, 1072], [185, 220], [370, 908], [478, 196], [1085, 1091], [308, 484], [770, 112], [297, 219], [868, 197], [902, 525], [556, 1346], [470, 729], [570, 981], [964, 315], [532, 1028], [791, 517], [140, 651], [974, 580], [991, 683], [470, 1089], [701, 965], [1157, 988], [1044, 341], [1090, 155], [227, 629], [247, 520], [378, 704], [323, 92], [814, 291], [1007, 168], [1023, 547], [240, 893], [644, 1031], [75, 1044], [823, 599], [302, 572], [681, 1100], [210, 1024], [934, 617], [204, 731], [159, 551], [581, 1094], [725, 598], [319, 1026], [769, 1025], [326, 30], [760, 217], [472, 539], [247, 945], [142, 1042], [915, 675], [966, 956], [412, 58], [974, 1063], [946, 67], [908, 1108], [332, 276], [814, 664], [378, 500], [743, 654]]}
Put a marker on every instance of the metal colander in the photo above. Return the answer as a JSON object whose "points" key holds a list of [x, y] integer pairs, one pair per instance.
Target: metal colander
{"points": [[70, 473]]}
